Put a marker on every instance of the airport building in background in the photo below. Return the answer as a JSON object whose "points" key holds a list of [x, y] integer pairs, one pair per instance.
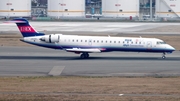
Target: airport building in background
{"points": [[15, 8], [125, 9], [66, 8], [120, 8]]}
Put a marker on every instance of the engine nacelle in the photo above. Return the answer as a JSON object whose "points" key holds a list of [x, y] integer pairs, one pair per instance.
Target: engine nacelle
{"points": [[51, 38]]}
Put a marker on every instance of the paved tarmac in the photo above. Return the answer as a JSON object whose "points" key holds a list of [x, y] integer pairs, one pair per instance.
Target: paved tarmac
{"points": [[37, 61], [90, 27]]}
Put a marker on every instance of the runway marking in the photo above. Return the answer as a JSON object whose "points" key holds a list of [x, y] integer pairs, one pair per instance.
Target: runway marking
{"points": [[121, 94], [89, 30], [123, 26], [56, 71], [103, 30], [90, 94]]}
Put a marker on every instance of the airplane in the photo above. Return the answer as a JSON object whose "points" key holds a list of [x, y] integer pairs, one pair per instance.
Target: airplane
{"points": [[90, 44]]}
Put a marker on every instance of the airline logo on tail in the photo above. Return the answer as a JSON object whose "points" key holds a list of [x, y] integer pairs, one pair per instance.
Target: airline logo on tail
{"points": [[26, 29]]}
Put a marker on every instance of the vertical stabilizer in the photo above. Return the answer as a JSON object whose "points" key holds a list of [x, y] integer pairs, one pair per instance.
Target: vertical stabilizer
{"points": [[25, 28]]}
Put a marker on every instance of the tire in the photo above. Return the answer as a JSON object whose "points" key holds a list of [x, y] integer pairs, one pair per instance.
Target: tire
{"points": [[86, 55], [163, 57], [82, 56]]}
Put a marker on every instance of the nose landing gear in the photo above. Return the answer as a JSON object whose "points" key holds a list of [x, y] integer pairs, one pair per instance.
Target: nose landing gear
{"points": [[84, 56], [164, 56]]}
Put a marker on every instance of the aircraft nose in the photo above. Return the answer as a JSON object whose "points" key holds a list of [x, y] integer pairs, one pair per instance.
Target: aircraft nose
{"points": [[171, 48]]}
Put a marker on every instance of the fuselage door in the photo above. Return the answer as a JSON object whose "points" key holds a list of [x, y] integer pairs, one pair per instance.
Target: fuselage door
{"points": [[90, 42], [58, 41], [58, 44], [149, 44]]}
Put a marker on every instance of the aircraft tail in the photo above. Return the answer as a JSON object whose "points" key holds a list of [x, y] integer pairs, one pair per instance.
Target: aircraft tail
{"points": [[25, 28]]}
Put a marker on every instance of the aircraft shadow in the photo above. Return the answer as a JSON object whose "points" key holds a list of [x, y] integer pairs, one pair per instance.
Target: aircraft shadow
{"points": [[90, 58]]}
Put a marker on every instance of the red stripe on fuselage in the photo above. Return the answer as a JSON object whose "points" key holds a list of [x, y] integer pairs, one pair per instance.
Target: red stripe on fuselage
{"points": [[26, 29]]}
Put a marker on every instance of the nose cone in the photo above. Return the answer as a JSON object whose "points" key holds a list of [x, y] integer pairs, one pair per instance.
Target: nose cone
{"points": [[170, 48]]}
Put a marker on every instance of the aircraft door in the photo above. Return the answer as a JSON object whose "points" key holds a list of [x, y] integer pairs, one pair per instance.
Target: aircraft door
{"points": [[58, 40], [90, 42], [149, 44], [58, 43]]}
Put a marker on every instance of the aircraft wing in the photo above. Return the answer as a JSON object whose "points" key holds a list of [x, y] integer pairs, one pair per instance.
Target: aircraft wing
{"points": [[88, 50]]}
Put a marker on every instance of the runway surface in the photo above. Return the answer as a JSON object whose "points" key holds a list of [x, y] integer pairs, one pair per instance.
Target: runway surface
{"points": [[36, 61], [90, 27]]}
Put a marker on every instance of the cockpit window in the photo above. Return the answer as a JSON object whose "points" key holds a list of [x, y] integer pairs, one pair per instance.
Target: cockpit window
{"points": [[160, 42]]}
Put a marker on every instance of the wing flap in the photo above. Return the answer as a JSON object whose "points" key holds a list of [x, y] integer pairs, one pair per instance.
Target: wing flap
{"points": [[94, 50]]}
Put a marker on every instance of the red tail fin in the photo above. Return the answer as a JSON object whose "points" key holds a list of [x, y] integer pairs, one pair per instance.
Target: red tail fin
{"points": [[25, 28]]}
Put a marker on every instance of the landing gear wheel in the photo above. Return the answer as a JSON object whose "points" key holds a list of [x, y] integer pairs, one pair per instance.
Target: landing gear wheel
{"points": [[84, 55], [164, 56]]}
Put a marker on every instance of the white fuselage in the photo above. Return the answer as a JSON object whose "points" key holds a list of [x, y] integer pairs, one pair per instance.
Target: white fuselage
{"points": [[103, 43]]}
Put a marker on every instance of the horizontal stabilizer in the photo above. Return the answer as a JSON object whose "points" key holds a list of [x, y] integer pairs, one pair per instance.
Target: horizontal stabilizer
{"points": [[14, 21], [95, 50]]}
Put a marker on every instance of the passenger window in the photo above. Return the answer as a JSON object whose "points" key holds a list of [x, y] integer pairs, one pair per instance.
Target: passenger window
{"points": [[119, 42], [114, 41]]}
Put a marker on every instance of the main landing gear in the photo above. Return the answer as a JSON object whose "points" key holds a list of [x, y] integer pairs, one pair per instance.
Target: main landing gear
{"points": [[84, 56], [164, 56]]}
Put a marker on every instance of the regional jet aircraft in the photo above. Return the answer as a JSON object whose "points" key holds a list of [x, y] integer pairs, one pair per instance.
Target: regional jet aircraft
{"points": [[90, 44]]}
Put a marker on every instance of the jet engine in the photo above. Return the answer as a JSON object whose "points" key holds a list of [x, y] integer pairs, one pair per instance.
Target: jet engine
{"points": [[50, 38]]}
